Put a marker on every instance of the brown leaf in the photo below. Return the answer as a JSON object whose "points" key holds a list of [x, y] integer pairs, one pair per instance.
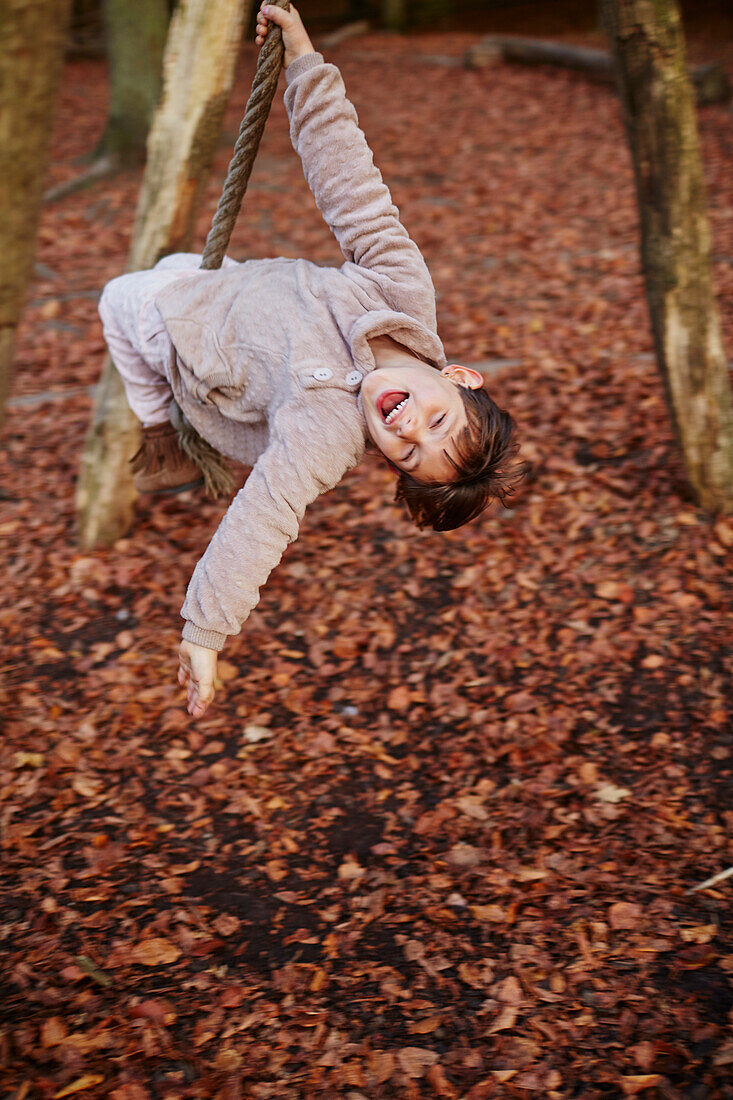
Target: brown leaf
{"points": [[227, 925], [414, 1061], [154, 952], [79, 1085], [635, 1083], [493, 914], [612, 794], [149, 1010], [440, 1084], [624, 914], [613, 590], [53, 1031], [724, 532], [349, 870], [276, 870], [399, 698], [471, 807], [28, 760], [86, 786], [232, 997], [506, 1019], [644, 1054], [464, 856], [509, 991], [381, 1064]]}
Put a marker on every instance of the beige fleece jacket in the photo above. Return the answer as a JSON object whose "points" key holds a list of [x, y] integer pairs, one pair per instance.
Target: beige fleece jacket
{"points": [[269, 355]]}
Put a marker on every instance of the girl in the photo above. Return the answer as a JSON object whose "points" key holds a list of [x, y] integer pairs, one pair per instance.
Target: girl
{"points": [[292, 368]]}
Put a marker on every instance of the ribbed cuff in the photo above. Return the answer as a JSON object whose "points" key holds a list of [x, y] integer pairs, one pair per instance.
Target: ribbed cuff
{"points": [[302, 64], [209, 639]]}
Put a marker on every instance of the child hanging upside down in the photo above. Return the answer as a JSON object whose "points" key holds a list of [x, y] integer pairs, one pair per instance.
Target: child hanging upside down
{"points": [[292, 369]]}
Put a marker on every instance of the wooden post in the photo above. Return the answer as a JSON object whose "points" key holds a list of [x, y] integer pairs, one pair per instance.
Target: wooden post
{"points": [[198, 72]]}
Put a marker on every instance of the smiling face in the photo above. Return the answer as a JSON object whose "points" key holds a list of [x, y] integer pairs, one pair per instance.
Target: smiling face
{"points": [[415, 415]]}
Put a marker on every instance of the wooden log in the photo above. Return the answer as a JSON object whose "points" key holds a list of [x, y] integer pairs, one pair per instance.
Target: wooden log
{"points": [[710, 80], [343, 34]]}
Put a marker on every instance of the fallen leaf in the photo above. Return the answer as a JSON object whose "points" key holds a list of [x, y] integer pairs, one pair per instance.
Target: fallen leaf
{"points": [[506, 1019], [254, 734], [154, 952], [86, 1082], [28, 759], [53, 1031], [414, 1061], [624, 915], [609, 792], [636, 1083], [399, 698], [700, 933]]}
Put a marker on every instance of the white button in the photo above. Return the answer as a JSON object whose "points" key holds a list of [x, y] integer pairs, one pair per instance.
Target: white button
{"points": [[323, 374], [354, 378]]}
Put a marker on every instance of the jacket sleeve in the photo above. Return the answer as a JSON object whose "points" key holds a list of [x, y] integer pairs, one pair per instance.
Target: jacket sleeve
{"points": [[348, 188], [310, 450]]}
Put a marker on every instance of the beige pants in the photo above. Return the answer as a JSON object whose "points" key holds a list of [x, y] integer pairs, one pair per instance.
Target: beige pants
{"points": [[137, 337]]}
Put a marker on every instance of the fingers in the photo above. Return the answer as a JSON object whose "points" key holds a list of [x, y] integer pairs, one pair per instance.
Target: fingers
{"points": [[273, 14], [198, 697], [199, 685]]}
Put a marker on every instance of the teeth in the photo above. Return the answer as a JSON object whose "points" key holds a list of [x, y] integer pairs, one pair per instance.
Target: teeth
{"points": [[390, 417]]}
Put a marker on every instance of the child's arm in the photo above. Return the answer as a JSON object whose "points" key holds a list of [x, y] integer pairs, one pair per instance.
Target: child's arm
{"points": [[340, 170], [312, 446]]}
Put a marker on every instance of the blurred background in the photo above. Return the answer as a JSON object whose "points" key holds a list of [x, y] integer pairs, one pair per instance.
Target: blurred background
{"points": [[542, 17]]}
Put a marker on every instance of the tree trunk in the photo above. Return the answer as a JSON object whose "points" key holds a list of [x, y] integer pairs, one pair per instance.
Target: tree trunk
{"points": [[394, 14], [136, 32], [32, 37], [647, 42], [198, 71]]}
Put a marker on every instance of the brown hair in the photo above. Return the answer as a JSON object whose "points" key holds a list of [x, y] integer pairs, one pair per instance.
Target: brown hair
{"points": [[485, 468]]}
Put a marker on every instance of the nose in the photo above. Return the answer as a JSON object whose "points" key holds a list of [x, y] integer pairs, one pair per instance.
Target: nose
{"points": [[408, 427]]}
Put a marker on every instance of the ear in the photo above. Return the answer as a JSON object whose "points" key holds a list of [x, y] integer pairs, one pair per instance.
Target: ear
{"points": [[463, 376]]}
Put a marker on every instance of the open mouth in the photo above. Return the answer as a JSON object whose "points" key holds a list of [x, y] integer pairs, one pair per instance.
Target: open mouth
{"points": [[391, 404]]}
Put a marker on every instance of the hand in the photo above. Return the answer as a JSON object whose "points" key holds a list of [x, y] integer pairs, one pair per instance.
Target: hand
{"points": [[295, 37], [197, 672]]}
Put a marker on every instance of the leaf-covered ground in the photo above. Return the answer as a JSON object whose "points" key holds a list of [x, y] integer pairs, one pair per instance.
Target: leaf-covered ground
{"points": [[436, 836]]}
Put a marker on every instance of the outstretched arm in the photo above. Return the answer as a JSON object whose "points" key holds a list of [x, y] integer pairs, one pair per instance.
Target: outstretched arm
{"points": [[340, 170], [311, 448]]}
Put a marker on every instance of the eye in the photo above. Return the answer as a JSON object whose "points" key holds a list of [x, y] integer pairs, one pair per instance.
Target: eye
{"points": [[409, 454], [439, 421]]}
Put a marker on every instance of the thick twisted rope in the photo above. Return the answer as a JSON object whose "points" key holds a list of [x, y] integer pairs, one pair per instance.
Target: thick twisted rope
{"points": [[217, 477], [258, 106]]}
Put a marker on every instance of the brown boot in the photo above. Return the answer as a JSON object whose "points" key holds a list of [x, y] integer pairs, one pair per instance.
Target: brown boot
{"points": [[160, 466]]}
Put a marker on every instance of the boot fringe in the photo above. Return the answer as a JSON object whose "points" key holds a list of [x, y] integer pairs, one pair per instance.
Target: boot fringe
{"points": [[218, 478], [166, 454]]}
